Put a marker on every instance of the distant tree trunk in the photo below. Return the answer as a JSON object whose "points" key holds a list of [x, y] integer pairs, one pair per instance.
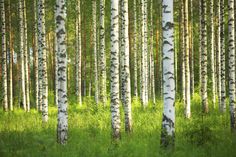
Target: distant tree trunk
{"points": [[200, 44], [218, 52], [36, 57], [115, 112], [140, 47], [192, 47], [10, 58], [90, 66], [144, 94], [102, 57], [23, 94], [85, 58], [160, 49], [152, 66], [168, 120], [78, 54], [56, 68], [4, 57], [158, 76], [204, 58], [187, 68], [212, 52], [42, 61], [222, 52], [231, 64], [125, 71], [183, 53], [135, 49], [95, 50], [26, 58], [62, 126]]}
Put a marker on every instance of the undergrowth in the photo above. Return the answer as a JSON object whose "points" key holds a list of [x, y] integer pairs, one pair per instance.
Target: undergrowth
{"points": [[22, 134]]}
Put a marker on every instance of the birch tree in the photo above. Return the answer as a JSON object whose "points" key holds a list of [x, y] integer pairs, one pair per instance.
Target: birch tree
{"points": [[152, 78], [204, 58], [23, 94], [62, 126], [36, 57], [168, 120], [56, 63], [200, 44], [231, 38], [4, 57], [212, 51], [115, 112], [192, 47], [187, 68], [10, 58], [183, 53], [43, 82], [222, 62], [135, 49], [94, 5], [102, 57], [125, 71], [139, 47], [78, 54], [144, 84], [218, 52]]}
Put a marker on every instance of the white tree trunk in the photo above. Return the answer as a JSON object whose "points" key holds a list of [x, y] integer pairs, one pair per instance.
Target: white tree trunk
{"points": [[78, 54], [200, 44], [183, 53], [218, 52], [152, 66], [4, 57], [144, 85], [138, 48], [10, 58], [125, 71], [231, 42], [204, 58], [43, 82], [103, 76], [135, 49], [23, 94], [36, 56], [187, 68], [212, 52], [115, 111], [56, 67], [62, 126], [192, 48], [168, 121], [222, 62]]}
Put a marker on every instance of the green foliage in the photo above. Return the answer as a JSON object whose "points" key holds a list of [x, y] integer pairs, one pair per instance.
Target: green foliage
{"points": [[22, 134]]}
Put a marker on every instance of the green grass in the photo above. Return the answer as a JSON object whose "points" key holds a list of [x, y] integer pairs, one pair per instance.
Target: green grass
{"points": [[22, 134]]}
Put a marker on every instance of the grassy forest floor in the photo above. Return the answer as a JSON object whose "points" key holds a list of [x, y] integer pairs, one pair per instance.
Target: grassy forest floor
{"points": [[22, 134]]}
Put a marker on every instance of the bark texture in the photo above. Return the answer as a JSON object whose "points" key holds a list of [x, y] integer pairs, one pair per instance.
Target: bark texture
{"points": [[168, 119], [4, 56], [43, 80], [62, 126], [78, 54], [103, 76], [115, 111]]}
